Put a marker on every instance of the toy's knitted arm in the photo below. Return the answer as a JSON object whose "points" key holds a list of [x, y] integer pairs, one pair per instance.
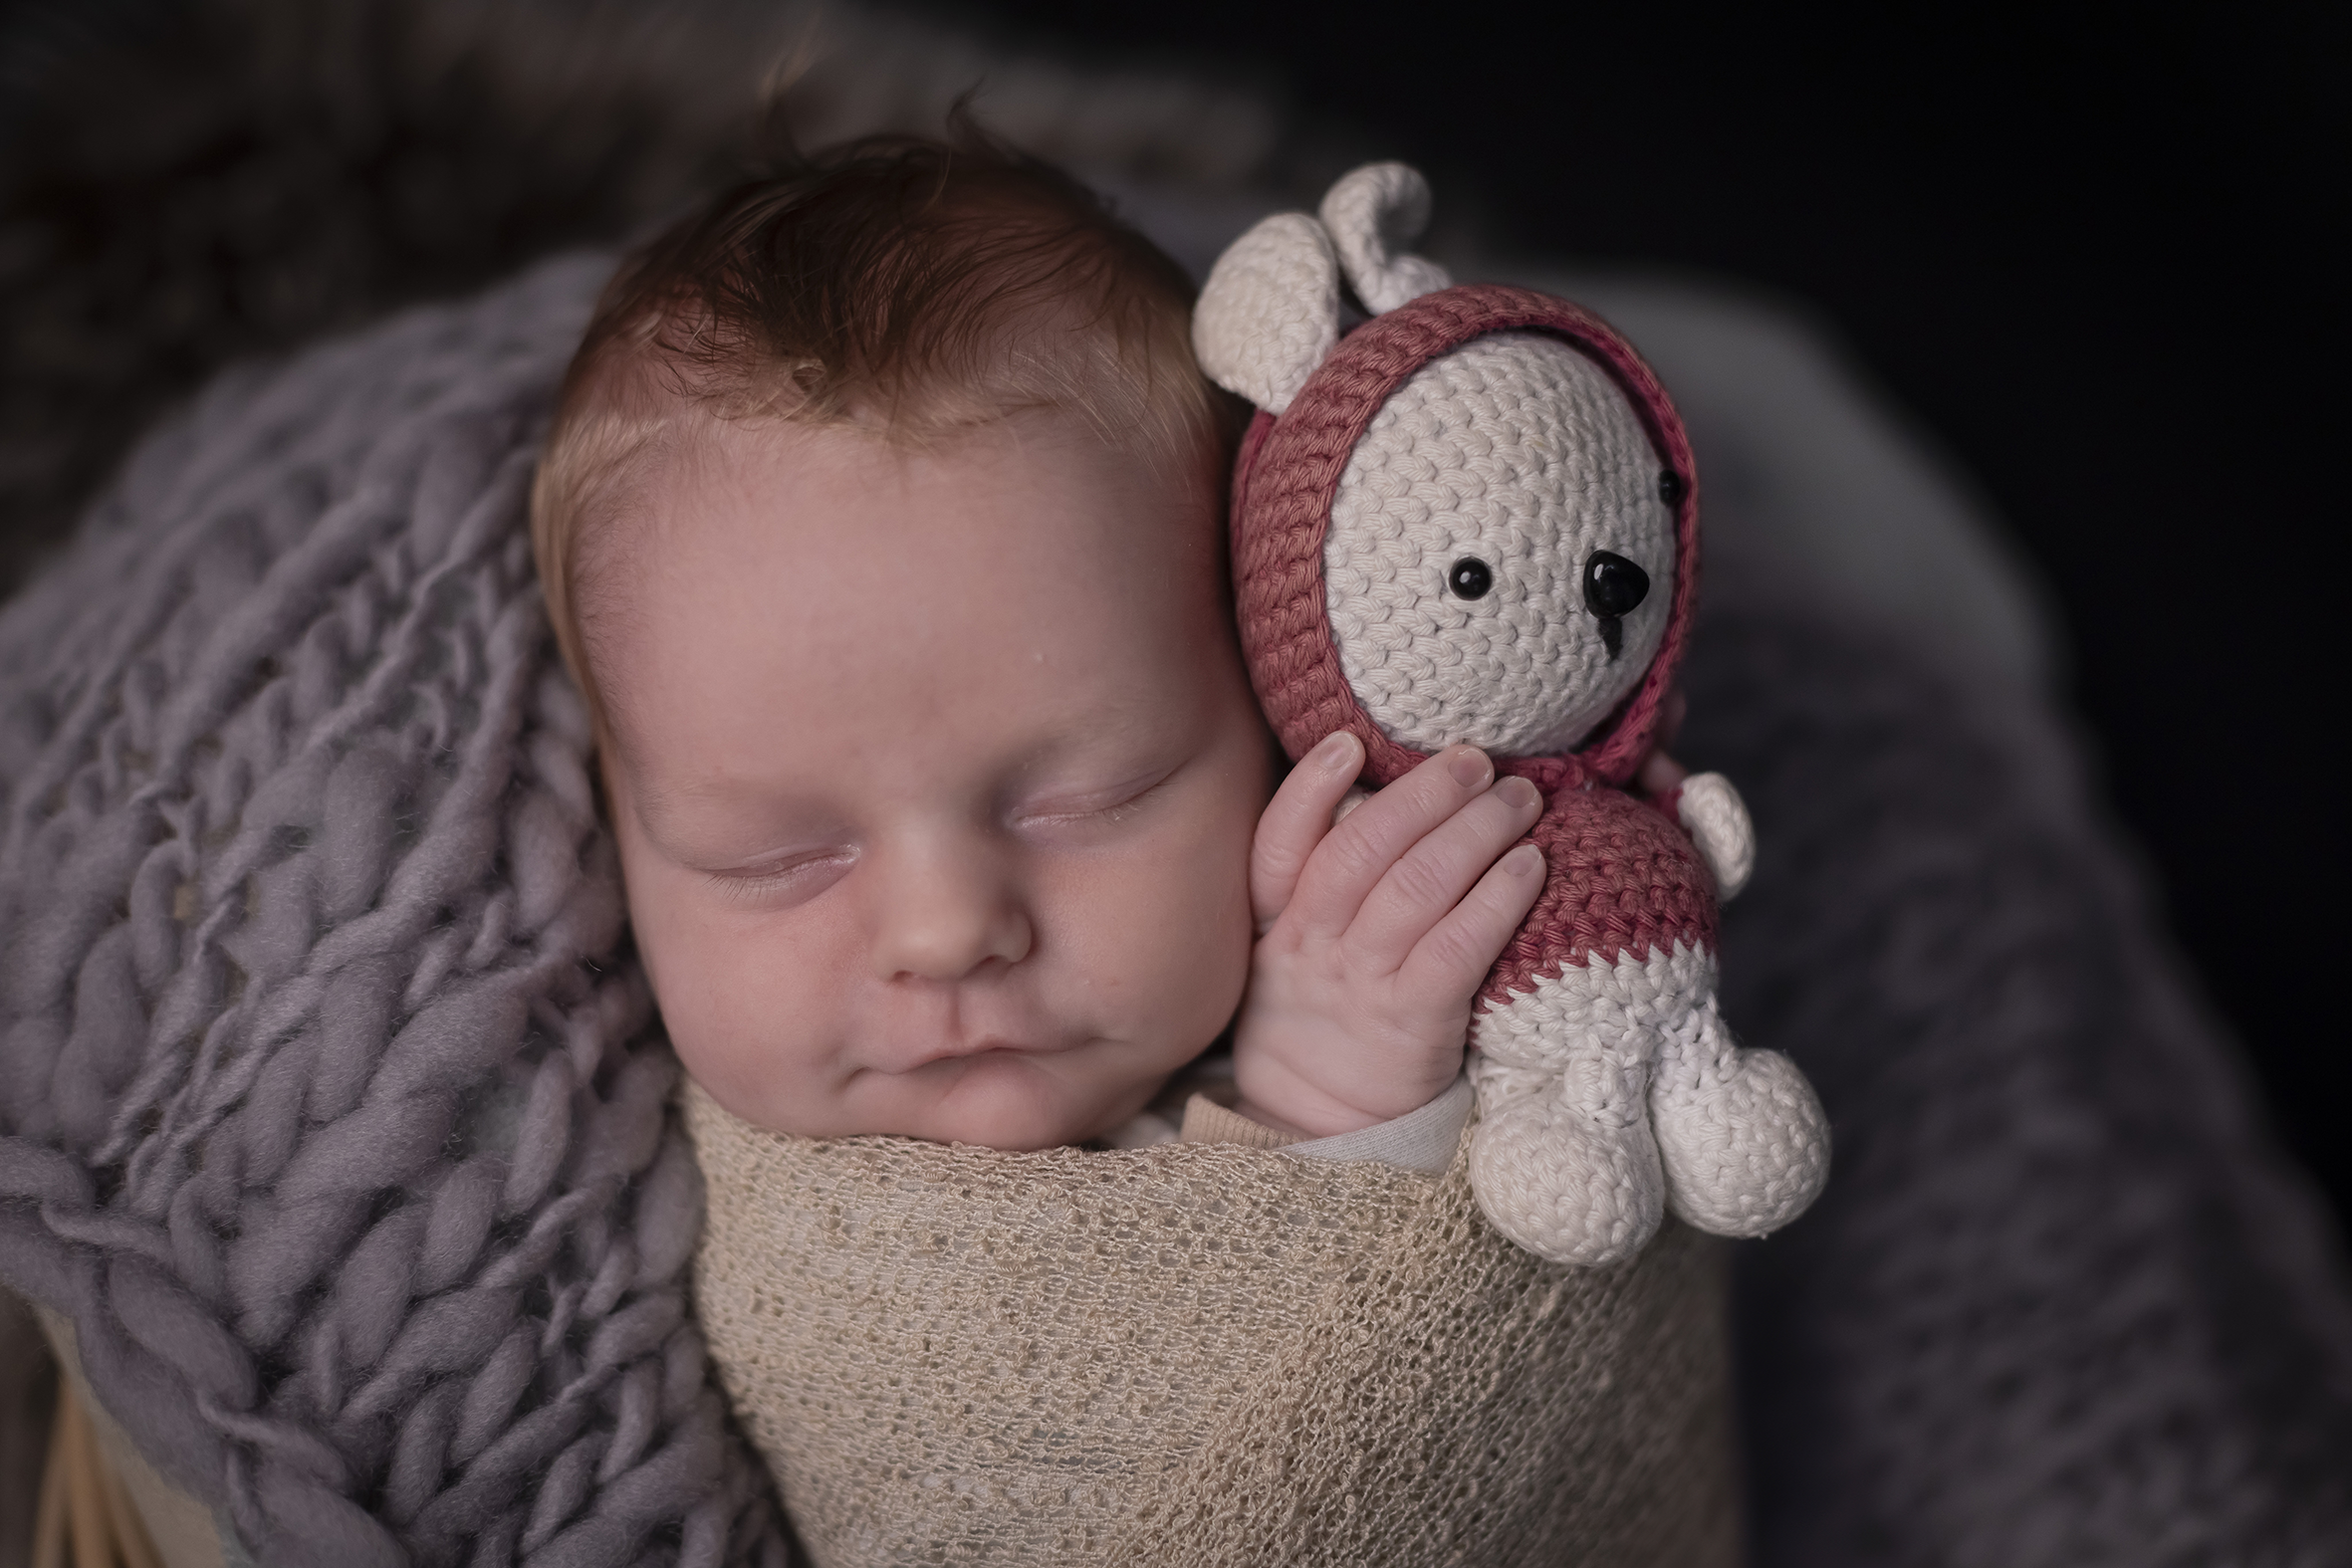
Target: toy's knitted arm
{"points": [[1710, 810], [1706, 805]]}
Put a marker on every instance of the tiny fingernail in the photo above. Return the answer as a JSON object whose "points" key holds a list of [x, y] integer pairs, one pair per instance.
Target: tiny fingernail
{"points": [[1333, 750], [1517, 792], [1526, 860], [1469, 767]]}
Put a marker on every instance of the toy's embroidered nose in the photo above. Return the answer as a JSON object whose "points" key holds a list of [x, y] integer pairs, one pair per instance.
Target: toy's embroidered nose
{"points": [[1471, 577], [1613, 585]]}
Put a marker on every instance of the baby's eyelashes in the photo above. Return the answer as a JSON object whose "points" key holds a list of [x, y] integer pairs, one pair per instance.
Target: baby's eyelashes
{"points": [[1107, 806], [784, 882]]}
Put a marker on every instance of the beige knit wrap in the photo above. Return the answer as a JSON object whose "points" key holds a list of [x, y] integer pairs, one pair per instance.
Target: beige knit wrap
{"points": [[1199, 1354]]}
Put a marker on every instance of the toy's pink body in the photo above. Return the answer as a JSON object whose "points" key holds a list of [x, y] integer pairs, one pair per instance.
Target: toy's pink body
{"points": [[1622, 881]]}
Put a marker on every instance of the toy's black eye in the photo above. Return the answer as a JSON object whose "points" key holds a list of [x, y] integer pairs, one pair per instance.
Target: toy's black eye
{"points": [[1613, 585], [1470, 577], [1670, 487]]}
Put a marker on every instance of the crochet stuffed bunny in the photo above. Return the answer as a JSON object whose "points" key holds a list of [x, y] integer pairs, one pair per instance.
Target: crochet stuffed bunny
{"points": [[1473, 518]]}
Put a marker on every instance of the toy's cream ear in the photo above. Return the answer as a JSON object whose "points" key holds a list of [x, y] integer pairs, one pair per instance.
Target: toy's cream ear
{"points": [[1372, 215], [1270, 310]]}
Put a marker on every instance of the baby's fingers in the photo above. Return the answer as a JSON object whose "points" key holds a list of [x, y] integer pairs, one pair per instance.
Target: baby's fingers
{"points": [[1431, 877], [1359, 852], [1297, 819], [1451, 961]]}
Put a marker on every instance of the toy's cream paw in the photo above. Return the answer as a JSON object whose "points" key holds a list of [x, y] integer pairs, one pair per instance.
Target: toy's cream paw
{"points": [[1717, 819], [1742, 1135], [1564, 1185]]}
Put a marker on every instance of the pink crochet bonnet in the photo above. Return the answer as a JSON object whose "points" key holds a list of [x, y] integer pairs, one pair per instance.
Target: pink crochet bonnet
{"points": [[1288, 474]]}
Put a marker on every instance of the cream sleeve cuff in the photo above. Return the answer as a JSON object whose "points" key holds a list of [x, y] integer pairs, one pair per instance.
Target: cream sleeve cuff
{"points": [[1422, 1140]]}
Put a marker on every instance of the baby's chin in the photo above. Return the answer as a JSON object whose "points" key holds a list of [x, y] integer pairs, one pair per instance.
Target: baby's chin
{"points": [[1010, 1100], [1013, 1101]]}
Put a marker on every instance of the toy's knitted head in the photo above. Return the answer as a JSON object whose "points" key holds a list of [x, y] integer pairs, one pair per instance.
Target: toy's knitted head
{"points": [[1471, 518]]}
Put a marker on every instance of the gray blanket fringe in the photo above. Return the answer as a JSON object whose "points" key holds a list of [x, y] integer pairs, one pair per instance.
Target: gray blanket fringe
{"points": [[329, 1106]]}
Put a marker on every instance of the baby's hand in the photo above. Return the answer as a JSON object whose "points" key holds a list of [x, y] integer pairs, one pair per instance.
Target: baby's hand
{"points": [[1376, 934]]}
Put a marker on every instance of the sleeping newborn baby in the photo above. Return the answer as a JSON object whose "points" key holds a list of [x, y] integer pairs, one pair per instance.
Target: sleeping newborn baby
{"points": [[882, 524]]}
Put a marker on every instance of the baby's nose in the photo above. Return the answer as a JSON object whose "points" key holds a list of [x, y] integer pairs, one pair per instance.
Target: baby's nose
{"points": [[946, 911]]}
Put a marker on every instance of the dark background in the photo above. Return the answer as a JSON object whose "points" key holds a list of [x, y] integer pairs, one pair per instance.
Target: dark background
{"points": [[2097, 251]]}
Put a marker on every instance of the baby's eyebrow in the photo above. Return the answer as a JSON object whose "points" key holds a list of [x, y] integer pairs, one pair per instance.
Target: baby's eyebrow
{"points": [[1127, 736], [663, 810]]}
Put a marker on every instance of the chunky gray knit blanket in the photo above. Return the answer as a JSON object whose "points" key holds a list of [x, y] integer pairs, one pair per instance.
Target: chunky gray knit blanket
{"points": [[333, 1113], [330, 1107]]}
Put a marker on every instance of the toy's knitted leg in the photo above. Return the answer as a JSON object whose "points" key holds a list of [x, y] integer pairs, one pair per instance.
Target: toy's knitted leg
{"points": [[1745, 1141], [1563, 1160]]}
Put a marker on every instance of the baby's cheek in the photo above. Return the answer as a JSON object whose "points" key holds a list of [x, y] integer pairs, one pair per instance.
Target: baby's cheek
{"points": [[1182, 921], [725, 993], [743, 1037]]}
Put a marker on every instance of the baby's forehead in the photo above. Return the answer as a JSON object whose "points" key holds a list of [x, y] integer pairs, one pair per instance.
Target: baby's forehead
{"points": [[840, 537], [1043, 465], [1003, 682], [822, 472]]}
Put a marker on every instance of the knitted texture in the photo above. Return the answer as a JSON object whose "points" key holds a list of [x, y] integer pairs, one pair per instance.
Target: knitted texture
{"points": [[331, 1112], [1517, 452], [1273, 311], [1199, 1355], [189, 182], [2061, 1303], [1371, 215], [1620, 879], [172, 1525], [1717, 819]]}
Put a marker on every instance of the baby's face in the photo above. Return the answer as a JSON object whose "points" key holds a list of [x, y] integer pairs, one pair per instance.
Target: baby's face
{"points": [[934, 775]]}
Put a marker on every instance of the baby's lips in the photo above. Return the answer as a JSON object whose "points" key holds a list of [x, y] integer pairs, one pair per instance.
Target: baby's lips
{"points": [[905, 1056]]}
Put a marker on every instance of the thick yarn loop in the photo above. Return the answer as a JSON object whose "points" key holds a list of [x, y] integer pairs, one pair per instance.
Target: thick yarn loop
{"points": [[1289, 472], [332, 1112]]}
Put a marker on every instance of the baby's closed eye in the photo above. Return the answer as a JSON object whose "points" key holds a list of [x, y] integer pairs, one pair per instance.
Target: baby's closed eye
{"points": [[1079, 814], [783, 880]]}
